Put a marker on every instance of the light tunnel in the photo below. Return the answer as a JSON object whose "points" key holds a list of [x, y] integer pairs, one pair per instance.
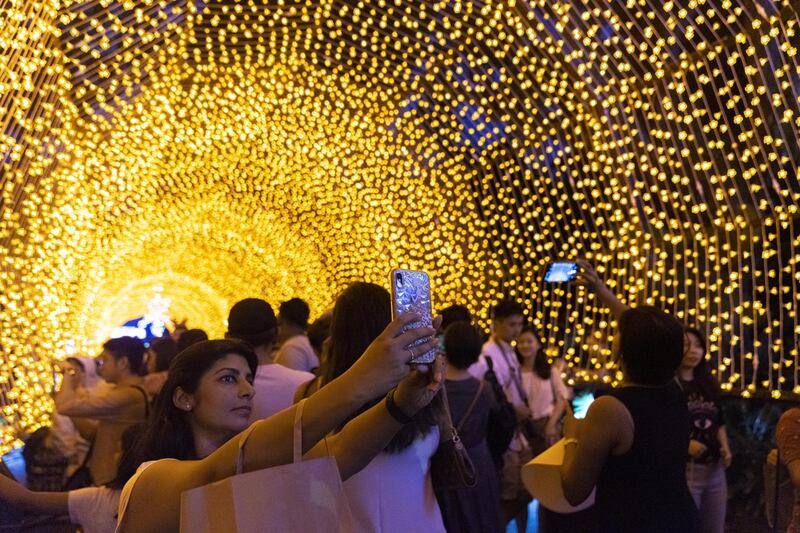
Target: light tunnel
{"points": [[224, 149]]}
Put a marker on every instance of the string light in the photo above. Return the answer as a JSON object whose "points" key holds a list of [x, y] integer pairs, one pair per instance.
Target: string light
{"points": [[286, 148]]}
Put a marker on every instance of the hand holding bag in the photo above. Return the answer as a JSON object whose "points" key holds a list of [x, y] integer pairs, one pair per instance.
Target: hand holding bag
{"points": [[451, 467], [303, 496]]}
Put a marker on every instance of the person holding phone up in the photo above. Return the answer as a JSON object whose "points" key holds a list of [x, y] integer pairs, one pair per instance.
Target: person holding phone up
{"points": [[633, 442], [709, 452]]}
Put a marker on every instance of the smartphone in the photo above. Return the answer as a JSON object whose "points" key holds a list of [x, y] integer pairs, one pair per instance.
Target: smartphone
{"points": [[411, 291], [561, 272], [13, 462], [581, 403]]}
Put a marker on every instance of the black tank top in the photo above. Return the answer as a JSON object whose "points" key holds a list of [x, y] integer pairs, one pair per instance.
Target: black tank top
{"points": [[645, 489]]}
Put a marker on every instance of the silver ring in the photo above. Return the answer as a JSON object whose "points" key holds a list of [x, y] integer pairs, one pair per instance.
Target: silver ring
{"points": [[411, 353]]}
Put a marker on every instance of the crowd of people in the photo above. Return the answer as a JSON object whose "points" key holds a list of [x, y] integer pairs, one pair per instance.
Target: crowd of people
{"points": [[138, 426]]}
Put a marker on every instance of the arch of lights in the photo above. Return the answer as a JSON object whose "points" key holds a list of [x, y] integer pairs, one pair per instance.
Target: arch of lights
{"points": [[223, 149]]}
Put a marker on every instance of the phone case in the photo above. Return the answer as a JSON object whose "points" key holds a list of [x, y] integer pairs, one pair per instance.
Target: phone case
{"points": [[411, 291]]}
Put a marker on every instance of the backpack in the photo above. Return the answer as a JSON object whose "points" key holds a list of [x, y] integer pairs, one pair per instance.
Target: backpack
{"points": [[502, 418]]}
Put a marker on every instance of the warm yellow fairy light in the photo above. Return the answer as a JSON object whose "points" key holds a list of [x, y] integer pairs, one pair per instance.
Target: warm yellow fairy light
{"points": [[283, 148]]}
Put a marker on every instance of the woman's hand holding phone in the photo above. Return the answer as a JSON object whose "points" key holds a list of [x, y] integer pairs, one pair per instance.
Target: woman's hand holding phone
{"points": [[385, 361], [420, 387]]}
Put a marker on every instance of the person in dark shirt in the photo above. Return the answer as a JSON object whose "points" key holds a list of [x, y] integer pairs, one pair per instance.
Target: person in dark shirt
{"points": [[632, 443], [709, 452], [469, 509]]}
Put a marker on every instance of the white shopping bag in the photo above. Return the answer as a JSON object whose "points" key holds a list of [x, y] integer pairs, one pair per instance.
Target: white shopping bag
{"points": [[304, 496], [542, 478]]}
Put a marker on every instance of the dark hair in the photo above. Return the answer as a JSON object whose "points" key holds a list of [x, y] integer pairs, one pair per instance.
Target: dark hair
{"points": [[540, 363], [506, 308], [295, 311], [462, 344], [130, 348], [191, 336], [129, 460], [455, 313], [169, 432], [253, 321], [702, 374], [165, 349], [651, 345], [319, 330], [362, 311]]}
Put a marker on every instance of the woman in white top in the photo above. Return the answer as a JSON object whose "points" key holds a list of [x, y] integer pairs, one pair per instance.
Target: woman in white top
{"points": [[543, 387], [94, 509], [394, 492], [207, 400]]}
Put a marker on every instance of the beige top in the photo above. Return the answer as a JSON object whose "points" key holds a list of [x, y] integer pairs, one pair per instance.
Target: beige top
{"points": [[116, 409]]}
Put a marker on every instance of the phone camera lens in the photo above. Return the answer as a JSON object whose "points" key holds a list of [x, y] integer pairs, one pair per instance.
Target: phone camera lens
{"points": [[399, 279]]}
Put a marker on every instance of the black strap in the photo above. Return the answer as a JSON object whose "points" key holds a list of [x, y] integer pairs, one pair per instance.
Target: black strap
{"points": [[310, 384], [515, 377], [146, 400], [471, 407]]}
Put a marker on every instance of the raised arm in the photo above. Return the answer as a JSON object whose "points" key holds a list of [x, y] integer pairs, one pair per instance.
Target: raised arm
{"points": [[379, 369], [588, 278], [78, 402], [382, 366], [368, 434], [41, 503]]}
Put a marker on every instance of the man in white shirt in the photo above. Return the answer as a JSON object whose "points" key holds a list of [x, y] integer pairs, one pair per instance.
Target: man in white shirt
{"points": [[252, 320], [295, 349], [507, 322]]}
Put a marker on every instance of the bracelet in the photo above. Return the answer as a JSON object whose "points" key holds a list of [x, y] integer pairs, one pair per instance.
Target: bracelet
{"points": [[395, 411], [570, 440]]}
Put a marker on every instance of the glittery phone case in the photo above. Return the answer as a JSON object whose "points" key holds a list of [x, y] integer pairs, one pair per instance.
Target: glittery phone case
{"points": [[411, 291]]}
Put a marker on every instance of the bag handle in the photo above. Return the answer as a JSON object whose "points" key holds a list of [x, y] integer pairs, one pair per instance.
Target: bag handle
{"points": [[297, 441], [448, 420], [146, 400], [514, 372], [471, 406]]}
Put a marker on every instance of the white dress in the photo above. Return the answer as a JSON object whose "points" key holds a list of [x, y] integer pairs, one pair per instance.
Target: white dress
{"points": [[394, 494]]}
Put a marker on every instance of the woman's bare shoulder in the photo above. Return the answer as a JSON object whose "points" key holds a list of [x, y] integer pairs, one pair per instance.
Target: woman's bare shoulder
{"points": [[608, 417], [155, 499]]}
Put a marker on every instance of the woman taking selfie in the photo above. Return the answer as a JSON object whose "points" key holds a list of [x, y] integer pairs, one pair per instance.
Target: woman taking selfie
{"points": [[360, 314], [207, 399]]}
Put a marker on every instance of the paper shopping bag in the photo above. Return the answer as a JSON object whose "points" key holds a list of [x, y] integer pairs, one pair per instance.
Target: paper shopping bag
{"points": [[304, 496], [542, 478]]}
